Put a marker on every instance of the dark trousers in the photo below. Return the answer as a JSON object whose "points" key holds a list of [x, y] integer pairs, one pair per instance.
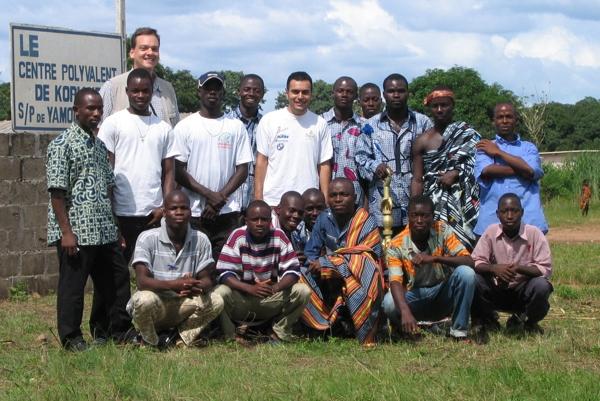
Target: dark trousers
{"points": [[131, 227], [529, 297], [108, 270], [217, 230]]}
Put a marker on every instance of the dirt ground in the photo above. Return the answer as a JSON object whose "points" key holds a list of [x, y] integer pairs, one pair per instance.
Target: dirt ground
{"points": [[588, 233]]}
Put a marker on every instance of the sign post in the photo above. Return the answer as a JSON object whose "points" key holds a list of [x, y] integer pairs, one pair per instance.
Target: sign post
{"points": [[49, 66]]}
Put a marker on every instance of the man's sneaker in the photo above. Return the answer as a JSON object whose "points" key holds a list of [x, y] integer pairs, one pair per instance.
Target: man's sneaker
{"points": [[167, 339], [76, 344], [534, 328], [515, 325]]}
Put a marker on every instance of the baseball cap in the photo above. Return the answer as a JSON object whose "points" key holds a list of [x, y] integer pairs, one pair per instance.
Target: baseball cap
{"points": [[207, 76]]}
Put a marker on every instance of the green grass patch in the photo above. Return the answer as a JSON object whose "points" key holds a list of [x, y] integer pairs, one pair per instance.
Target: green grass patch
{"points": [[577, 264]]}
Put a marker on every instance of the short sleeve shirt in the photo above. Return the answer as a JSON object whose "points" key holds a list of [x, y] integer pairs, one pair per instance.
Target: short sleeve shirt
{"points": [[442, 242], [78, 164], [155, 250]]}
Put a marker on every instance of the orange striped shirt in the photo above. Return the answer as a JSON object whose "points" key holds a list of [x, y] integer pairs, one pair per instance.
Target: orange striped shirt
{"points": [[442, 242]]}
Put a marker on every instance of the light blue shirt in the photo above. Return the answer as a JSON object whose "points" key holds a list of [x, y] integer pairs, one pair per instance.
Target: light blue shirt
{"points": [[490, 190]]}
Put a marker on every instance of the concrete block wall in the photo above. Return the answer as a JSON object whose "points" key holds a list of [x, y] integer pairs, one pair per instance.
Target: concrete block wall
{"points": [[24, 255]]}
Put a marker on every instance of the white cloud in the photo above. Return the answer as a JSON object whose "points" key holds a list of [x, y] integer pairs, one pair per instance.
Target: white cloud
{"points": [[555, 44]]}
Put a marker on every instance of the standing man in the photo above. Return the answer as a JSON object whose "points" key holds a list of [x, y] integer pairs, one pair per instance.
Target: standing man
{"points": [[81, 225], [251, 93], [443, 159], [344, 126], [145, 53], [369, 98], [386, 148], [213, 162], [173, 265], [513, 265], [508, 164], [141, 150], [294, 148], [431, 273]]}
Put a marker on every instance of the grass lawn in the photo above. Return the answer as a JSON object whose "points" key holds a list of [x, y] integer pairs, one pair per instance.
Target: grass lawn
{"points": [[563, 364]]}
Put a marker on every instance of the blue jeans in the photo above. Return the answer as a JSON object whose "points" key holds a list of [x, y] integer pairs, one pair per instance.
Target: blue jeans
{"points": [[454, 295]]}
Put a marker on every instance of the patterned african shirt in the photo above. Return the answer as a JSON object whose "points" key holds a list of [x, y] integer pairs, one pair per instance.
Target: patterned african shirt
{"points": [[442, 242], [247, 188], [381, 144], [344, 137], [78, 164]]}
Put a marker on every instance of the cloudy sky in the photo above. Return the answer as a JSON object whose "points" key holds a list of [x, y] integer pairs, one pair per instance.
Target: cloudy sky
{"points": [[528, 46]]}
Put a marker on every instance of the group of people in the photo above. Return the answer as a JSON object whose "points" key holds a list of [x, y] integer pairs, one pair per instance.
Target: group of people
{"points": [[239, 219]]}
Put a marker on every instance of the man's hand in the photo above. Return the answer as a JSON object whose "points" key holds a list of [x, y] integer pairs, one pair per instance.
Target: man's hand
{"points": [[382, 171], [448, 179], [209, 213], [301, 257], [314, 267], [185, 286], [216, 199], [121, 241], [69, 243], [156, 214], [422, 259], [488, 147], [506, 272], [409, 323], [260, 289]]}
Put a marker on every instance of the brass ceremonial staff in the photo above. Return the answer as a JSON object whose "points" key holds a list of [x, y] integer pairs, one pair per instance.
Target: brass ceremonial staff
{"points": [[386, 211]]}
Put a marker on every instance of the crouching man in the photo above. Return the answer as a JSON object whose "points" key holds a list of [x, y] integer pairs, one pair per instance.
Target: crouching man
{"points": [[431, 273], [513, 265], [259, 273], [173, 264]]}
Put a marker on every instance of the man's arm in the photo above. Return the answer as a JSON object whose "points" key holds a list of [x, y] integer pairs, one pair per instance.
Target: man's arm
{"points": [[452, 261], [409, 323], [416, 184], [260, 172], [168, 175], [258, 289], [514, 164], [286, 282], [146, 282], [324, 170], [185, 179], [68, 239]]}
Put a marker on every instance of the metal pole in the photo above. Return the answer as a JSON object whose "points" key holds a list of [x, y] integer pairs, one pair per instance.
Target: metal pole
{"points": [[120, 28]]}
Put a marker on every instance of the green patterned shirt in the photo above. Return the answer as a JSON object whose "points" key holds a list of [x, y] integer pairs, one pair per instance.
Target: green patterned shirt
{"points": [[78, 164]]}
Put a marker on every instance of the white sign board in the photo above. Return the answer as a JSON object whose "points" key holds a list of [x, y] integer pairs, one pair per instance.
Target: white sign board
{"points": [[49, 66]]}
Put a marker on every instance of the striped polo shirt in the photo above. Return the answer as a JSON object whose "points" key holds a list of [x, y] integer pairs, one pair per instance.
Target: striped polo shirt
{"points": [[252, 261], [155, 250]]}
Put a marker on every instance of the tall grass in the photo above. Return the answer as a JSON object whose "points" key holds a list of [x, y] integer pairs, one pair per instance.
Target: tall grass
{"points": [[566, 181]]}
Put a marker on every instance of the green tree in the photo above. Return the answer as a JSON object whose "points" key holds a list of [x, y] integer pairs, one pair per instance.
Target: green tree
{"points": [[474, 98], [5, 101], [321, 97]]}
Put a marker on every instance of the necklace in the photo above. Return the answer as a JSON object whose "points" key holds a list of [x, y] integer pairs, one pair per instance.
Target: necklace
{"points": [[146, 125], [210, 122]]}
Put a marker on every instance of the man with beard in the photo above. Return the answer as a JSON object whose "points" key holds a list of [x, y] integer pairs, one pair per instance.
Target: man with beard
{"points": [[386, 149], [81, 225], [344, 266]]}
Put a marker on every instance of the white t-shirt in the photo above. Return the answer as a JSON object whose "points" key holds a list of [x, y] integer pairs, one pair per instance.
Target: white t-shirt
{"points": [[140, 144], [212, 148], [294, 145]]}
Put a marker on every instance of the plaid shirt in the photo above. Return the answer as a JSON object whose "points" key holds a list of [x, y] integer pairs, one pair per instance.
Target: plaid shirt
{"points": [[246, 190], [442, 242], [344, 138], [381, 144]]}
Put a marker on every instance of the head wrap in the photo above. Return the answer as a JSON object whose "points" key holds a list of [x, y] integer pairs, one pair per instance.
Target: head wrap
{"points": [[438, 93]]}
